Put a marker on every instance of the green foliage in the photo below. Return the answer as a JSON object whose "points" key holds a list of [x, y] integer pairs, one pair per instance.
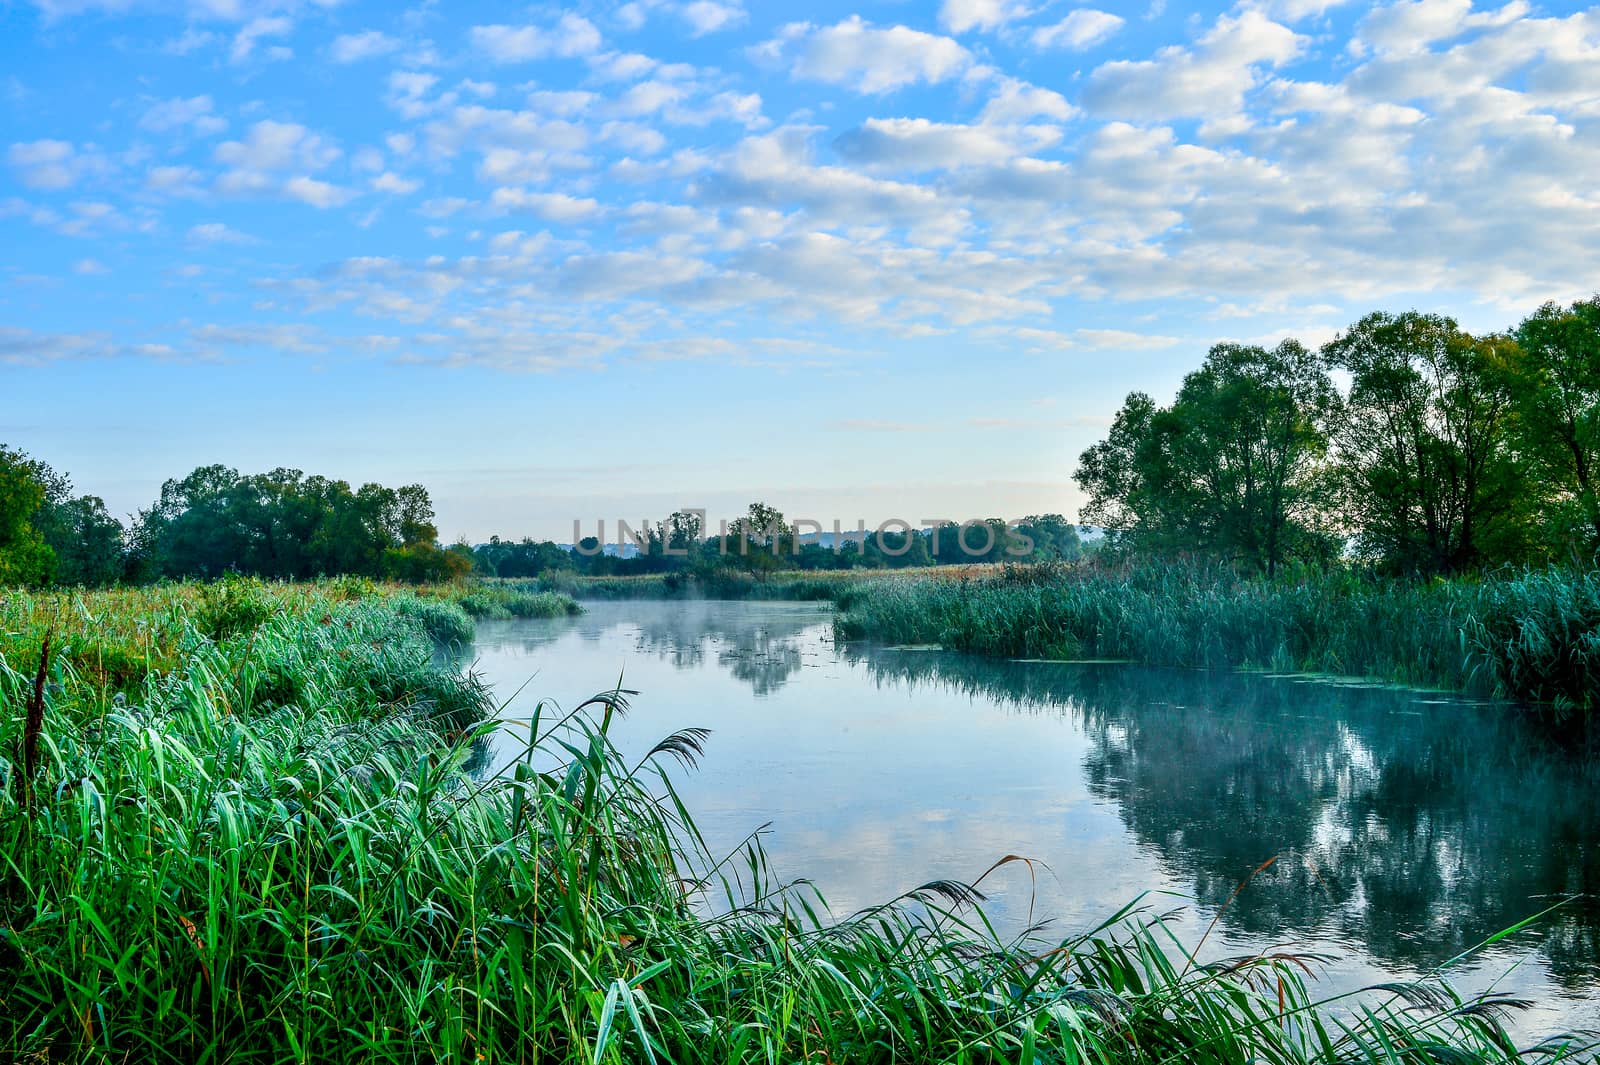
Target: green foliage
{"points": [[1431, 485], [1449, 453], [1235, 464], [1554, 382], [444, 621], [276, 851], [25, 558], [421, 563], [286, 525], [232, 606], [509, 601]]}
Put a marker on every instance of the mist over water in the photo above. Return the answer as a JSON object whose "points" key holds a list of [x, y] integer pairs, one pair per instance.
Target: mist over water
{"points": [[1404, 827]]}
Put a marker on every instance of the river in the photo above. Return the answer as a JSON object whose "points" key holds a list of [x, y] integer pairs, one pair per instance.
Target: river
{"points": [[1404, 827]]}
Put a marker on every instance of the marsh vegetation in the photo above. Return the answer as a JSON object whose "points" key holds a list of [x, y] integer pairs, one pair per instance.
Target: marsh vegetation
{"points": [[249, 819]]}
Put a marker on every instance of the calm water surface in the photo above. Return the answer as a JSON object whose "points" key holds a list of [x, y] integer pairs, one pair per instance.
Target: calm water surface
{"points": [[1406, 826]]}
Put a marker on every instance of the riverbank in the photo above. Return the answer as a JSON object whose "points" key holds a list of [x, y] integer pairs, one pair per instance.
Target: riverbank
{"points": [[1532, 636], [716, 583], [242, 816]]}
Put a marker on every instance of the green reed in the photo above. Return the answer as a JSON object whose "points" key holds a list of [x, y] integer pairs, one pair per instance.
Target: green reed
{"points": [[1527, 635], [272, 846]]}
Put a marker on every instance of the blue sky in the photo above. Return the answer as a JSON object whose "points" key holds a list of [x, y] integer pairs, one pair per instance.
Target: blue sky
{"points": [[606, 260]]}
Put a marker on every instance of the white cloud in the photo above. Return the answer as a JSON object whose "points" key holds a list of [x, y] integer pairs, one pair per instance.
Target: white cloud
{"points": [[1016, 100], [572, 36], [620, 66], [1209, 80], [257, 165], [1414, 25], [194, 113], [1081, 29], [191, 40], [959, 16], [865, 58], [244, 42], [1295, 10], [89, 267], [46, 164], [408, 93], [173, 180], [710, 16], [390, 182], [316, 193], [216, 233], [912, 144], [776, 170], [551, 206], [1448, 151], [274, 145], [354, 47], [1122, 340]]}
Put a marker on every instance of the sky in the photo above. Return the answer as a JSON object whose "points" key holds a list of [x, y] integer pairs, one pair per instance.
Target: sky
{"points": [[606, 260]]}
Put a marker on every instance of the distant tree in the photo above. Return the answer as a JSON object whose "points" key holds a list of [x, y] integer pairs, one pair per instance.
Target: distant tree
{"points": [[1055, 539], [1429, 480], [87, 541], [284, 524], [1555, 394], [462, 550], [757, 541], [420, 563]]}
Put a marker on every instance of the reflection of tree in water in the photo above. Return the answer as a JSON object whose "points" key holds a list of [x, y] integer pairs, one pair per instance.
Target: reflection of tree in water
{"points": [[760, 648], [765, 662], [1417, 829], [763, 650]]}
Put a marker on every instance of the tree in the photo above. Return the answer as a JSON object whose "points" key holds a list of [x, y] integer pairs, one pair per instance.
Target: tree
{"points": [[1109, 472], [25, 558], [48, 535], [1555, 393], [758, 540], [1429, 481], [1234, 467], [1055, 539], [284, 524], [87, 541]]}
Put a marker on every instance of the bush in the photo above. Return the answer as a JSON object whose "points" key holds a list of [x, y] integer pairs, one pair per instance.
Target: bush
{"points": [[232, 606]]}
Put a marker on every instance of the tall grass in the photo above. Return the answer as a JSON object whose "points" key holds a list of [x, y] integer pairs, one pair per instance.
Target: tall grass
{"points": [[271, 847], [1532, 635], [499, 603]]}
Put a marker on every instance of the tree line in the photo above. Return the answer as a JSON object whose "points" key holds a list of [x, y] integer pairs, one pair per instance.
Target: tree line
{"points": [[287, 525], [763, 540], [1406, 443], [282, 524]]}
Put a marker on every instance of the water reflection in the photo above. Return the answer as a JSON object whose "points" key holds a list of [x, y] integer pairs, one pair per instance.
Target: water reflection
{"points": [[1406, 827], [1415, 824], [762, 649]]}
